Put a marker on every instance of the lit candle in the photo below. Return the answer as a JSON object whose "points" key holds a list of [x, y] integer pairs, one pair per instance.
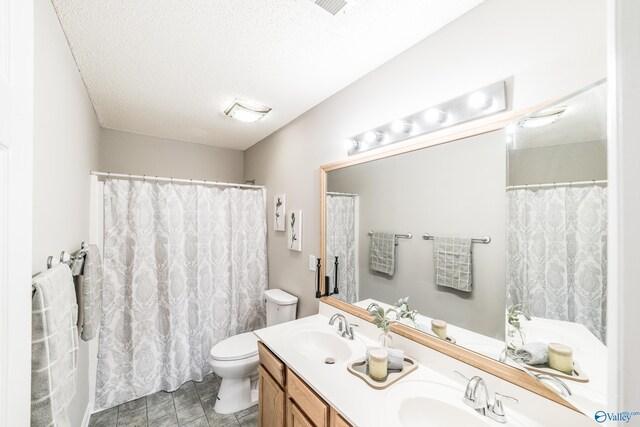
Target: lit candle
{"points": [[561, 357], [378, 364]]}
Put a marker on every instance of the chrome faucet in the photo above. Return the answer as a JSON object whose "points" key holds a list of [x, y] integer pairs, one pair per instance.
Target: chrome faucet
{"points": [[476, 396], [372, 305], [345, 329], [561, 385]]}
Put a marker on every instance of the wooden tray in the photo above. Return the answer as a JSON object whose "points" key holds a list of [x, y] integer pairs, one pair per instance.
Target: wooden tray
{"points": [[577, 375], [359, 368]]}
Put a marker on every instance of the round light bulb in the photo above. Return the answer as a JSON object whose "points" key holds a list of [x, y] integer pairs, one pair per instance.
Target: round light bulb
{"points": [[433, 115], [370, 137], [400, 126], [354, 144], [479, 101]]}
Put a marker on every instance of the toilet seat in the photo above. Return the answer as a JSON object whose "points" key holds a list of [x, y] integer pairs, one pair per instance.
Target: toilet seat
{"points": [[237, 347]]}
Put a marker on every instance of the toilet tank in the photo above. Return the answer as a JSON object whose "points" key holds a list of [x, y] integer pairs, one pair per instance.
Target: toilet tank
{"points": [[281, 306]]}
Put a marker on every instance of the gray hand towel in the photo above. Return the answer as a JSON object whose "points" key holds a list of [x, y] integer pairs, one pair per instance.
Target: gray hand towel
{"points": [[54, 347], [382, 253], [533, 353], [452, 260], [91, 293]]}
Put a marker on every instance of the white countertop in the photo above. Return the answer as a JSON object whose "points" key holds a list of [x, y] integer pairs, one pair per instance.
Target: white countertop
{"points": [[364, 406], [359, 403]]}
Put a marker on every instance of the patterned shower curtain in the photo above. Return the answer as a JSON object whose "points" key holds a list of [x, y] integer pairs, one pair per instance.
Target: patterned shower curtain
{"points": [[341, 242], [185, 266], [557, 254]]}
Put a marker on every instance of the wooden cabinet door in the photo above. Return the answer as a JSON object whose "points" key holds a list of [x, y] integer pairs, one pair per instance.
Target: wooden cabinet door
{"points": [[271, 401], [295, 416], [336, 420]]}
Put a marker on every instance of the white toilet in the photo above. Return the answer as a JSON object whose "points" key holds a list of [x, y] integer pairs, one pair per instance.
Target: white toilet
{"points": [[235, 359]]}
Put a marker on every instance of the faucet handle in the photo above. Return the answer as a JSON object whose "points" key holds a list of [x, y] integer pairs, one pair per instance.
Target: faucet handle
{"points": [[496, 411]]}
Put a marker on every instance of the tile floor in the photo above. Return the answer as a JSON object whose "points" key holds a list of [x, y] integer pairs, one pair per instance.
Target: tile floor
{"points": [[191, 405]]}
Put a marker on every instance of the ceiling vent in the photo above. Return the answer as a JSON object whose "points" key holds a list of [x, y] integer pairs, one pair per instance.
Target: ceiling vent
{"points": [[331, 6]]}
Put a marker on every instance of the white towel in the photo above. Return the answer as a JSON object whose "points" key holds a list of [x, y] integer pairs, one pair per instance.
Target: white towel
{"points": [[533, 353], [54, 347], [395, 359], [452, 258], [382, 254], [91, 293]]}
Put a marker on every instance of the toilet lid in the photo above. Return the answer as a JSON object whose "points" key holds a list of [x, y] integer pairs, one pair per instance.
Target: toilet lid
{"points": [[237, 347]]}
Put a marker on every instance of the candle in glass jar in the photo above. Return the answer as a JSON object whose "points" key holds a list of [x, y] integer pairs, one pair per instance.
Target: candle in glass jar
{"points": [[378, 364], [561, 357], [439, 327]]}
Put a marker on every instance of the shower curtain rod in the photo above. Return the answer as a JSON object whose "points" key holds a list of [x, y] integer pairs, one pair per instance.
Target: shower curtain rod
{"points": [[557, 184], [335, 193], [174, 180]]}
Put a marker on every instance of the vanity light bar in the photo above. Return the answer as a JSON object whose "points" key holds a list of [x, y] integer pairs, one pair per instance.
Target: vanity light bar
{"points": [[483, 102]]}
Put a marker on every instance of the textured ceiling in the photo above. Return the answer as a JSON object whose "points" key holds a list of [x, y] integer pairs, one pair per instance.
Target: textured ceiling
{"points": [[169, 68]]}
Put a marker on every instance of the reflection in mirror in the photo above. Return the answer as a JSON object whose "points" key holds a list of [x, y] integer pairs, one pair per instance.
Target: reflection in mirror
{"points": [[556, 258], [377, 213], [554, 235]]}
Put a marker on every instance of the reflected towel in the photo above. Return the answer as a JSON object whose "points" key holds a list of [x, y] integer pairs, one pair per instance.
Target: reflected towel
{"points": [[91, 293], [452, 261], [54, 347], [382, 254], [533, 353]]}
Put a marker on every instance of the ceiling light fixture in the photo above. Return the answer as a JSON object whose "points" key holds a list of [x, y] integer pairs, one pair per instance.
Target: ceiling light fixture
{"points": [[543, 118], [245, 111], [486, 101]]}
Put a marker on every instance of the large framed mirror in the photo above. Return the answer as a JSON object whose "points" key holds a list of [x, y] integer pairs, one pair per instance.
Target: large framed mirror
{"points": [[491, 242]]}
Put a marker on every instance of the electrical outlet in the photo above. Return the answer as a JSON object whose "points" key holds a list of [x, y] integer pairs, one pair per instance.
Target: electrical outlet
{"points": [[312, 262]]}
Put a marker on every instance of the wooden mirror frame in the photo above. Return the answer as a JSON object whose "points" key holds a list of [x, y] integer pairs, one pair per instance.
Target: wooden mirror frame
{"points": [[478, 127]]}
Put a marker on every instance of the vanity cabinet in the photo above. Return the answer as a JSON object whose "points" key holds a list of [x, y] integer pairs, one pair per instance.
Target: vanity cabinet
{"points": [[285, 400]]}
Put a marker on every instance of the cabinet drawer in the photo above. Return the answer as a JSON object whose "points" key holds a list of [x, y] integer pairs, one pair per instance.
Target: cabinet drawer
{"points": [[271, 363], [307, 400]]}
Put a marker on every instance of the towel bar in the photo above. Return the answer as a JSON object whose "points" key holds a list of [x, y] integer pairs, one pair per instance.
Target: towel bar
{"points": [[485, 239], [399, 236]]}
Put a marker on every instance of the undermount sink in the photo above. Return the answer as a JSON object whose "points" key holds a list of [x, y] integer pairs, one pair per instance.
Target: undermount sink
{"points": [[420, 403], [322, 345]]}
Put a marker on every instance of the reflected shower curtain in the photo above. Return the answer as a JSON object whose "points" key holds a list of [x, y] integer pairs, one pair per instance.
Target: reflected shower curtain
{"points": [[557, 254], [185, 266], [341, 242]]}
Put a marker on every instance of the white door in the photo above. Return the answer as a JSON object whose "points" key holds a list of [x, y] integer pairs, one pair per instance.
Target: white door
{"points": [[16, 135]]}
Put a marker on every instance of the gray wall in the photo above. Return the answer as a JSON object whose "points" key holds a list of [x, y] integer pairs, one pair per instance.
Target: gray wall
{"points": [[455, 189], [65, 149], [558, 163], [125, 152], [566, 51]]}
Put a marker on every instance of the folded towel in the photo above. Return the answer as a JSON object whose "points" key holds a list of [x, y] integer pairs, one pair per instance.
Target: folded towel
{"points": [[91, 293], [533, 353], [54, 347], [452, 260], [395, 359], [382, 254]]}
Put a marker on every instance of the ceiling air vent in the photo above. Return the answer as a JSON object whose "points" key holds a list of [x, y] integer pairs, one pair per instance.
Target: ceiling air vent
{"points": [[331, 6]]}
